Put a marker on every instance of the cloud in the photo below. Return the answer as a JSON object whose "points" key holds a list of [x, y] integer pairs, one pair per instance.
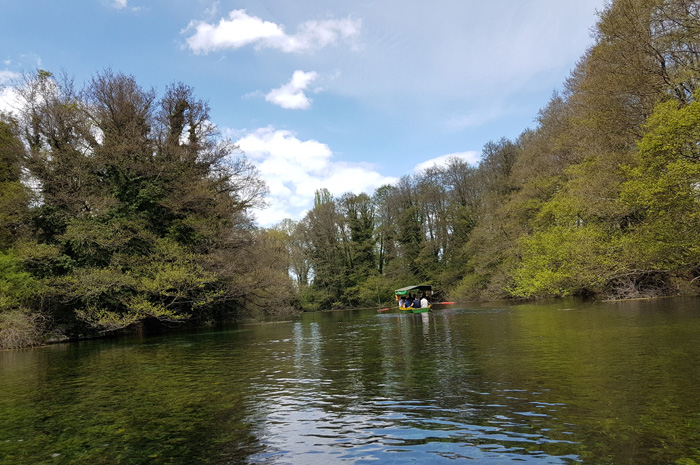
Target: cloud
{"points": [[294, 169], [471, 157], [9, 98], [291, 95], [119, 4], [7, 76], [240, 30], [457, 59]]}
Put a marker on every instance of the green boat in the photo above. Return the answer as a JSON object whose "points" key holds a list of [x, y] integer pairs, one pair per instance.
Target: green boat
{"points": [[413, 290]]}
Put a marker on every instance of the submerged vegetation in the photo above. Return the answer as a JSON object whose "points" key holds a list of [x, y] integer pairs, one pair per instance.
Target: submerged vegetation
{"points": [[120, 208]]}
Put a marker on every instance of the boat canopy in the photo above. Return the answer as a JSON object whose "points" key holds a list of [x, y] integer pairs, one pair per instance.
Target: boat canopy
{"points": [[406, 290]]}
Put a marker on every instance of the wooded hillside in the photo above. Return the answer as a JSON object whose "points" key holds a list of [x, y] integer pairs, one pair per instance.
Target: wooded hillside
{"points": [[601, 197]]}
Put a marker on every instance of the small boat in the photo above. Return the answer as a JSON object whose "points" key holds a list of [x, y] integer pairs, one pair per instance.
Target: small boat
{"points": [[412, 290]]}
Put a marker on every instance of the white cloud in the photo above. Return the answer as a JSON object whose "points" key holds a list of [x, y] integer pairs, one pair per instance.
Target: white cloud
{"points": [[240, 30], [471, 157], [7, 76], [291, 95], [119, 4], [294, 169], [468, 55], [9, 100]]}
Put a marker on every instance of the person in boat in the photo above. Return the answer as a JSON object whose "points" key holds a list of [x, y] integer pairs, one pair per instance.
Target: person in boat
{"points": [[416, 302], [424, 301], [402, 302]]}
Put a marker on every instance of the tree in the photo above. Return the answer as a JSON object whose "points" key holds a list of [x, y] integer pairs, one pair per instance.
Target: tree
{"points": [[663, 192], [358, 211], [14, 197], [143, 206], [385, 227], [326, 256], [294, 237]]}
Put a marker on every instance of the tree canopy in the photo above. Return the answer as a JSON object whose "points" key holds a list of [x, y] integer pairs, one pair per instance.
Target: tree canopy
{"points": [[136, 209]]}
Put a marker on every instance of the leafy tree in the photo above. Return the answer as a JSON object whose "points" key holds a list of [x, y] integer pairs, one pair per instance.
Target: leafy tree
{"points": [[14, 197], [663, 192], [143, 207], [292, 235], [385, 227], [326, 256]]}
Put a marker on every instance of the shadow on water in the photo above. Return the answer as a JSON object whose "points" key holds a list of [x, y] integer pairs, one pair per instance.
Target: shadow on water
{"points": [[554, 382]]}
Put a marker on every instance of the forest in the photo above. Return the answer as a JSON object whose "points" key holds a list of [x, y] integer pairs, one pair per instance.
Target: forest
{"points": [[121, 209], [600, 199]]}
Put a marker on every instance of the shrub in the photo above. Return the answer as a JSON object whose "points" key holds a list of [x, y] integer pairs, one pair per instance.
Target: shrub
{"points": [[20, 328]]}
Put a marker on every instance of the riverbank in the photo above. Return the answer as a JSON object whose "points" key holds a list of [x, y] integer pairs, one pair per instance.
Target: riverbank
{"points": [[21, 329]]}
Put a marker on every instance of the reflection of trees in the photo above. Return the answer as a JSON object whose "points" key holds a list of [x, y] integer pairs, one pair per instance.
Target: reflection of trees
{"points": [[410, 380], [577, 382], [619, 377], [603, 382]]}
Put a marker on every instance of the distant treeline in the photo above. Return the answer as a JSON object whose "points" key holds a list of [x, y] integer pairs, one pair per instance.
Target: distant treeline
{"points": [[119, 207], [601, 197]]}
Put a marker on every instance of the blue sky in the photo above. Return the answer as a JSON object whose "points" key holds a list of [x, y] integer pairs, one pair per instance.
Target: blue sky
{"points": [[344, 95]]}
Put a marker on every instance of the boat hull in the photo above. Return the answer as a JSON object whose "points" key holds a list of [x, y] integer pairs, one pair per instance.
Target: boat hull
{"points": [[414, 310]]}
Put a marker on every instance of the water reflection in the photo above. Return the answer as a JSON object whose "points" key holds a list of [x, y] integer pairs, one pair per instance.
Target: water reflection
{"points": [[560, 383]]}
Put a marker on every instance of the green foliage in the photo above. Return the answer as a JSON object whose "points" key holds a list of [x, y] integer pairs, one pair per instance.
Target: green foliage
{"points": [[14, 197], [171, 286], [17, 286], [19, 325], [664, 190], [133, 224], [43, 260], [566, 260], [13, 212]]}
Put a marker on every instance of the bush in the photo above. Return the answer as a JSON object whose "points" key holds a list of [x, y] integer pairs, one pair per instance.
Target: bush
{"points": [[16, 285], [20, 328]]}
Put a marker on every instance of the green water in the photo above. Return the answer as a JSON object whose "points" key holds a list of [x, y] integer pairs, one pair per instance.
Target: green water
{"points": [[564, 382]]}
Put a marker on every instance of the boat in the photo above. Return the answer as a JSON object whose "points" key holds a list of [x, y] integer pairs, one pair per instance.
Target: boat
{"points": [[411, 290]]}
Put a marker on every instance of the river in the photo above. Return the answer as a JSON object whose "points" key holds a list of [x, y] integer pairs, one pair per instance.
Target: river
{"points": [[556, 383]]}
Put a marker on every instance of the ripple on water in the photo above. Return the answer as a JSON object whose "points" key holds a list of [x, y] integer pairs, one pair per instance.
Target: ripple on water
{"points": [[308, 430]]}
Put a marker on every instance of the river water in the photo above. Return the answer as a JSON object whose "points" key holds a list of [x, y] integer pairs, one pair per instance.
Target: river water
{"points": [[559, 382]]}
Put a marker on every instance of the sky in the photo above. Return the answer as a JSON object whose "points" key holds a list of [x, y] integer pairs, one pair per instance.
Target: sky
{"points": [[347, 96]]}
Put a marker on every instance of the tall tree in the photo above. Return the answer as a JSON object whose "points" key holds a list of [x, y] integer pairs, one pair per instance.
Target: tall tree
{"points": [[142, 198], [385, 227], [295, 235], [326, 255], [14, 196]]}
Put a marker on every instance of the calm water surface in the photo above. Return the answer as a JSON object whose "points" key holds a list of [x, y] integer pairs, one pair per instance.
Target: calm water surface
{"points": [[559, 383]]}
